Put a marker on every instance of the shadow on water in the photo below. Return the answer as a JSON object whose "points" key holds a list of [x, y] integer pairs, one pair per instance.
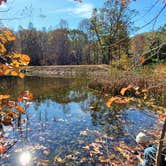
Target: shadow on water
{"points": [[62, 122]]}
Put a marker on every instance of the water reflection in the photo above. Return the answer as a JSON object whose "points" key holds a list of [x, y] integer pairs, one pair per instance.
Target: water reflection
{"points": [[62, 108]]}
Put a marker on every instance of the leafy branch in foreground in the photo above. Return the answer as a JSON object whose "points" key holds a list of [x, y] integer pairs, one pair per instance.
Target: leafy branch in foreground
{"points": [[10, 64]]}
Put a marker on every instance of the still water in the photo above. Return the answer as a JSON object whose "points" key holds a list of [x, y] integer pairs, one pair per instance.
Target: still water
{"points": [[63, 120]]}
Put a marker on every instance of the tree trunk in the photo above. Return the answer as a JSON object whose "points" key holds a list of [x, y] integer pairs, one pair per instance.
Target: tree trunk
{"points": [[159, 149]]}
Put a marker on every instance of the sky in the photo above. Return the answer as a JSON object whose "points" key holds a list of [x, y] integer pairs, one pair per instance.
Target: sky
{"points": [[48, 13]]}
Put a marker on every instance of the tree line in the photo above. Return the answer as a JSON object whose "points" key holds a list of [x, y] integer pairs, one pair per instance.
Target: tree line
{"points": [[96, 41], [102, 39]]}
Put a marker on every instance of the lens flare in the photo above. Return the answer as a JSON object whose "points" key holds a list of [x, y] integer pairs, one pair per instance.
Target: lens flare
{"points": [[25, 158]]}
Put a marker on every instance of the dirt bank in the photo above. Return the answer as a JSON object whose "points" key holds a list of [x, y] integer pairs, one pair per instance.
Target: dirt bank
{"points": [[67, 71]]}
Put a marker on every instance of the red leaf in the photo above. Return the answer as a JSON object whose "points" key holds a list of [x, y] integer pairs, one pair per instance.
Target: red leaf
{"points": [[2, 149]]}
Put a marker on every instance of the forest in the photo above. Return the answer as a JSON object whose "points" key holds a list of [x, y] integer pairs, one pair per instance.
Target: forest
{"points": [[102, 39]]}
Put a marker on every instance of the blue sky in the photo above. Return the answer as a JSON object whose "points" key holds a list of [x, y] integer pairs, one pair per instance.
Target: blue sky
{"points": [[46, 13]]}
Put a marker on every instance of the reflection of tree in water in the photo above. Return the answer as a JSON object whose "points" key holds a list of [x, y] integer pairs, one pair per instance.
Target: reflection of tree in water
{"points": [[107, 118]]}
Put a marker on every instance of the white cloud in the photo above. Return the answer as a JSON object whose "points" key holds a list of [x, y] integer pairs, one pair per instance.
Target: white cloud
{"points": [[83, 10]]}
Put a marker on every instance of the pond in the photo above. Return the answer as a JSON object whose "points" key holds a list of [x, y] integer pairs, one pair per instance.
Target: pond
{"points": [[67, 124]]}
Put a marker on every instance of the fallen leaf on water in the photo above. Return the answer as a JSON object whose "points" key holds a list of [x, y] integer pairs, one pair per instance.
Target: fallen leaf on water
{"points": [[87, 147], [162, 116], [70, 157], [46, 152], [2, 149], [102, 159], [80, 142], [58, 159], [84, 133], [20, 109], [111, 156]]}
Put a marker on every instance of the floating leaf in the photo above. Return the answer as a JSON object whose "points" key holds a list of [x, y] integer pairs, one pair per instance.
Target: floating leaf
{"points": [[102, 159], [162, 116], [2, 149], [20, 109], [7, 121], [58, 159], [84, 133]]}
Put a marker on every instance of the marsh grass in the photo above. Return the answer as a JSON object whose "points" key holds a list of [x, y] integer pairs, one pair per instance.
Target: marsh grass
{"points": [[152, 78]]}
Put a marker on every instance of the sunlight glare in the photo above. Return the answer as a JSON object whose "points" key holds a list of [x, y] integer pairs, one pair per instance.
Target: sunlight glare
{"points": [[25, 158]]}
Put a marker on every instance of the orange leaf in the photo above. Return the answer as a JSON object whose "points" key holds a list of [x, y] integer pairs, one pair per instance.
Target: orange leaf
{"points": [[21, 75], [142, 59], [123, 90], [13, 73], [111, 100], [124, 101], [19, 99], [162, 116], [2, 149], [20, 109]]}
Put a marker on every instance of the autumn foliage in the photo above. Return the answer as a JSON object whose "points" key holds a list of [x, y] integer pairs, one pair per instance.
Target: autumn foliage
{"points": [[11, 63]]}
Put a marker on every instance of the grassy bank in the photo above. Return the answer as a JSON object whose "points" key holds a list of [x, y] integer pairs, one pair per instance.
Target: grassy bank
{"points": [[151, 78]]}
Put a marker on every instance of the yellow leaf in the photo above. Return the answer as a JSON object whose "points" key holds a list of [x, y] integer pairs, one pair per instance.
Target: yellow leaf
{"points": [[25, 59], [2, 49], [4, 97], [111, 100], [8, 34], [102, 159], [123, 90], [58, 159], [20, 109], [144, 90], [3, 39]]}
